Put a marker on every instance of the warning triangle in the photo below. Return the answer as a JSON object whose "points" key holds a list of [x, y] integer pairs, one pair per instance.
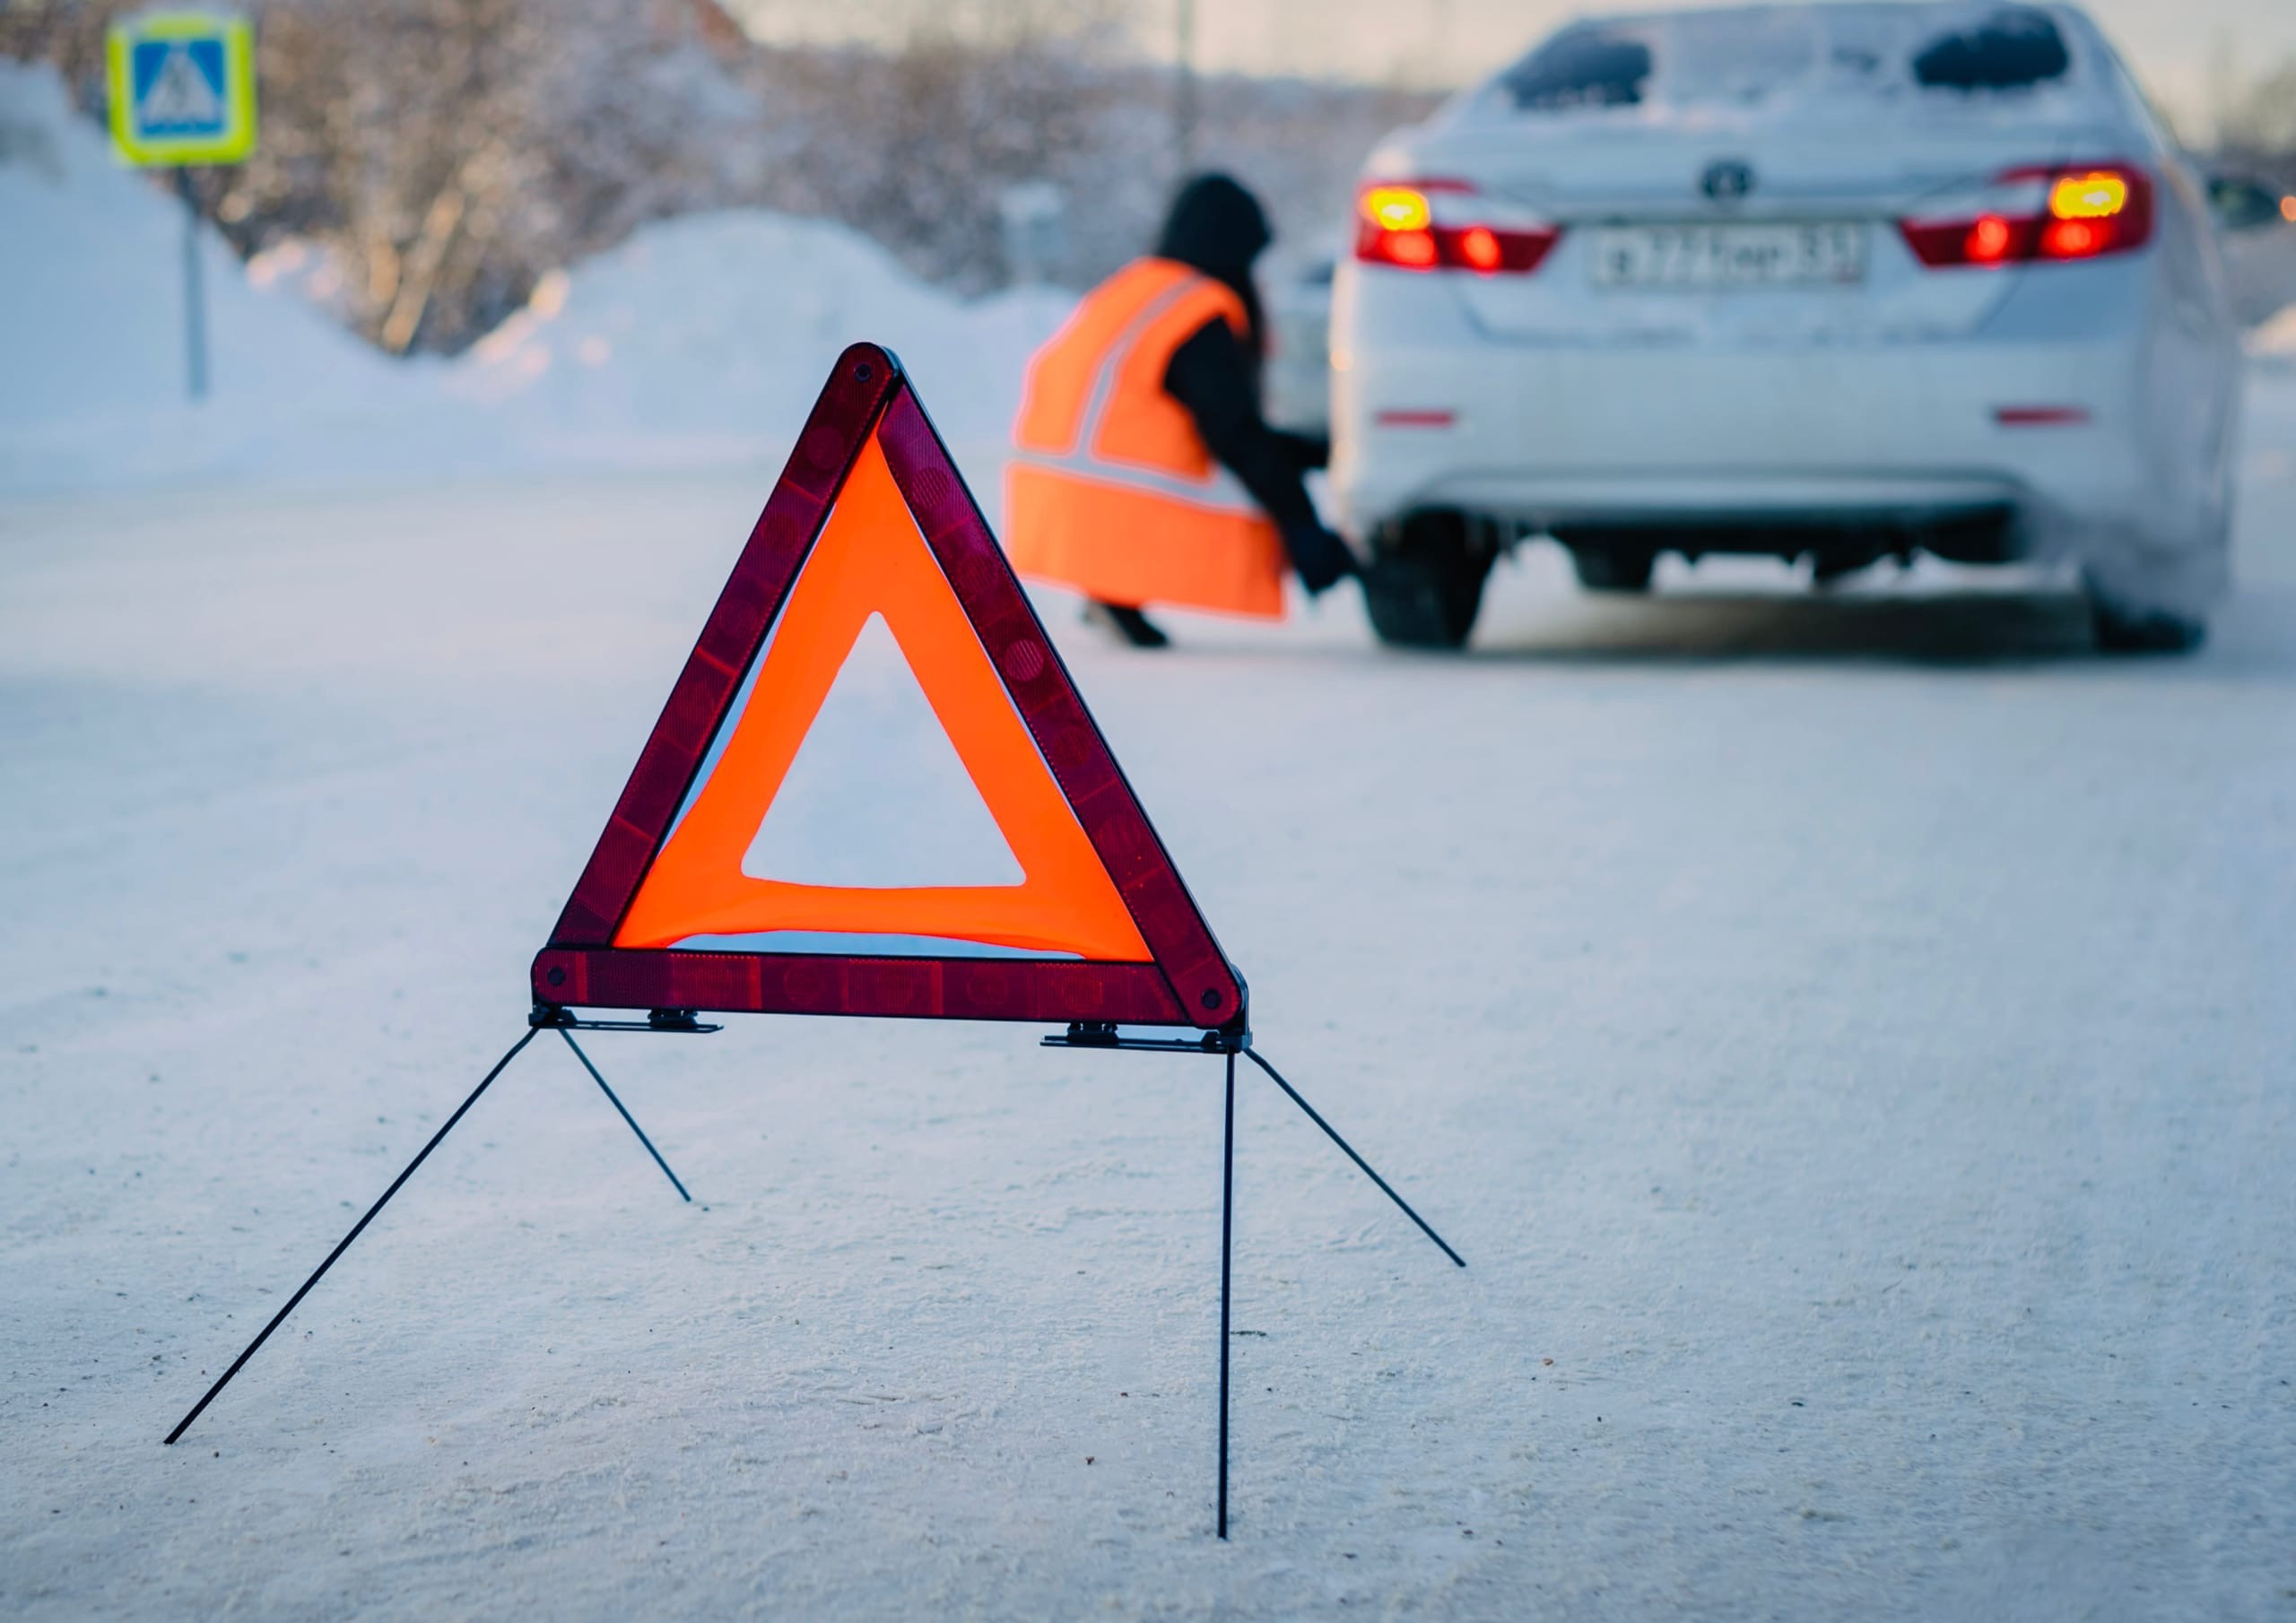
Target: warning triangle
{"points": [[871, 532]]}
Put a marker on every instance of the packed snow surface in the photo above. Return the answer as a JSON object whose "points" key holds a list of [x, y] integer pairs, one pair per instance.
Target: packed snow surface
{"points": [[2272, 344], [1848, 1036]]}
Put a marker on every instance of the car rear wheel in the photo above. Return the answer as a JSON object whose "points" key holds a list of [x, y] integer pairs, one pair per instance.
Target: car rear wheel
{"points": [[1612, 569], [2123, 631], [1423, 585], [2129, 610]]}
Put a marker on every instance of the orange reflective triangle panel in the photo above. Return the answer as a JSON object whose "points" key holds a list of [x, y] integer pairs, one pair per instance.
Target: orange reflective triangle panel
{"points": [[872, 559], [870, 521]]}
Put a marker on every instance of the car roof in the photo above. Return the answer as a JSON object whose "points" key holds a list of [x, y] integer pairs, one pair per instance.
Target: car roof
{"points": [[1764, 60], [1941, 10]]}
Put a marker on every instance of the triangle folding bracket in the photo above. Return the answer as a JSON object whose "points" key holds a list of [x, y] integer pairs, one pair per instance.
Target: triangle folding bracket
{"points": [[1170, 971]]}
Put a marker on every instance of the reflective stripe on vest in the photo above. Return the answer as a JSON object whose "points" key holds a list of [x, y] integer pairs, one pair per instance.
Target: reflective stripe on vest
{"points": [[1111, 490], [1218, 491]]}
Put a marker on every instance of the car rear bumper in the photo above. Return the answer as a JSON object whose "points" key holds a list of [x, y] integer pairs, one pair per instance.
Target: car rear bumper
{"points": [[1547, 435], [1673, 497]]}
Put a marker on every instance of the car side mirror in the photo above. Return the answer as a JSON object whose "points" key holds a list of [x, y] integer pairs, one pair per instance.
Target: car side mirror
{"points": [[2242, 205]]}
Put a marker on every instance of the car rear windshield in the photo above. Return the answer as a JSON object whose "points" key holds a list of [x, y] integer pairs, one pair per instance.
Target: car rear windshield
{"points": [[2014, 47], [1759, 54]]}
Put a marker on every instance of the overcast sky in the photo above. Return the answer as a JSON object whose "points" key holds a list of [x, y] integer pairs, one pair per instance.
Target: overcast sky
{"points": [[2170, 43]]}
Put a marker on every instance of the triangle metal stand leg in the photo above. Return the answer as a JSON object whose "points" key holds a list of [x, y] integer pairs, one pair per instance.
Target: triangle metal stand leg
{"points": [[399, 1183], [1253, 1054], [1228, 1229], [1105, 1036], [1227, 1236], [626, 1116]]}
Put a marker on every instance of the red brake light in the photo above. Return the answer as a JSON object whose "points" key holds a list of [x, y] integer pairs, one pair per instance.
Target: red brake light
{"points": [[2089, 210], [1414, 250], [1396, 225], [2072, 240], [1989, 239]]}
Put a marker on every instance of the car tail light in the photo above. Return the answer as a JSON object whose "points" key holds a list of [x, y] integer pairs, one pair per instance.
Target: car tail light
{"points": [[2041, 416], [2083, 211], [1430, 417], [1396, 224]]}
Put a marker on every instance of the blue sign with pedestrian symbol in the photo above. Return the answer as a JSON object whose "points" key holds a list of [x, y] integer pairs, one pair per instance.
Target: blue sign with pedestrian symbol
{"points": [[178, 86], [182, 88]]}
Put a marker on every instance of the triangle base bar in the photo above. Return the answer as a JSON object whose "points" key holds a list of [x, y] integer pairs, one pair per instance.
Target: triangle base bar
{"points": [[1037, 990]]}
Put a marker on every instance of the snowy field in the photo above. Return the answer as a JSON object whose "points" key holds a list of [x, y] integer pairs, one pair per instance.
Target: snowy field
{"points": [[1849, 1038]]}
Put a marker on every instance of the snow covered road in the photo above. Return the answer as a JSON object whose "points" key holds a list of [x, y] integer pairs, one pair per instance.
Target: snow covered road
{"points": [[1850, 1040]]}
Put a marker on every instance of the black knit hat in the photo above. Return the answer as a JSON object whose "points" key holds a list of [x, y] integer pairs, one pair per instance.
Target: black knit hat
{"points": [[1219, 228]]}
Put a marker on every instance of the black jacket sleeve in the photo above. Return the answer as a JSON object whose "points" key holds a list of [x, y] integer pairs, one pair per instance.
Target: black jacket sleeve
{"points": [[1211, 376]]}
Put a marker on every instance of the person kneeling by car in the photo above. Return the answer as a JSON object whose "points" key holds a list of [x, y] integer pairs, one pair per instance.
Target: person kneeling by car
{"points": [[1142, 471]]}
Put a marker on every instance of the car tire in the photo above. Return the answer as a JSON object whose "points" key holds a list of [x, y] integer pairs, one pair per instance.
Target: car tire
{"points": [[2124, 630], [1612, 569], [1423, 585]]}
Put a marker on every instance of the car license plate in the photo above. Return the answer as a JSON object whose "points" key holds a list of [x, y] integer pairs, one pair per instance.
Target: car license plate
{"points": [[1703, 257]]}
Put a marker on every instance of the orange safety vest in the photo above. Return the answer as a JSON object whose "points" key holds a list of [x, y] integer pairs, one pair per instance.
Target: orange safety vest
{"points": [[1110, 490]]}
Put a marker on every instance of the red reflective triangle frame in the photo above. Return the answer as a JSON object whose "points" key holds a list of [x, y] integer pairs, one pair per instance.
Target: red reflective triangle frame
{"points": [[1189, 981]]}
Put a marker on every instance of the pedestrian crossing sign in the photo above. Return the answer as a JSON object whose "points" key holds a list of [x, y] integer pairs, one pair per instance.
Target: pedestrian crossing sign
{"points": [[182, 88]]}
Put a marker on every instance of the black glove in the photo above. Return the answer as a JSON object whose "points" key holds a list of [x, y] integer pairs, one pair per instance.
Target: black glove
{"points": [[1321, 558], [1304, 451]]}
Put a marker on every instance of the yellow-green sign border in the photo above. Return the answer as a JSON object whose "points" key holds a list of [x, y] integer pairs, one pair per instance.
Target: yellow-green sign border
{"points": [[237, 139]]}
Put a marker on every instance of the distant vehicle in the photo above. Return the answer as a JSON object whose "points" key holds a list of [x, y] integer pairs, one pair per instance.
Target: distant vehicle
{"points": [[1840, 282], [2260, 259]]}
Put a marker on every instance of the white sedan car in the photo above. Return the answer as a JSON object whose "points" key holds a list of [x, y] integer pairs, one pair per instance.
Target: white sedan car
{"points": [[1842, 281]]}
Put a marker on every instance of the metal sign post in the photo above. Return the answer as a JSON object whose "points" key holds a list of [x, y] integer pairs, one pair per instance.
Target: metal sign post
{"points": [[194, 294], [182, 87]]}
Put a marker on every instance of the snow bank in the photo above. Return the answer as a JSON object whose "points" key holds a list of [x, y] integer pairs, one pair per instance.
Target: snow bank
{"points": [[701, 340], [2272, 344], [706, 337], [91, 323]]}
